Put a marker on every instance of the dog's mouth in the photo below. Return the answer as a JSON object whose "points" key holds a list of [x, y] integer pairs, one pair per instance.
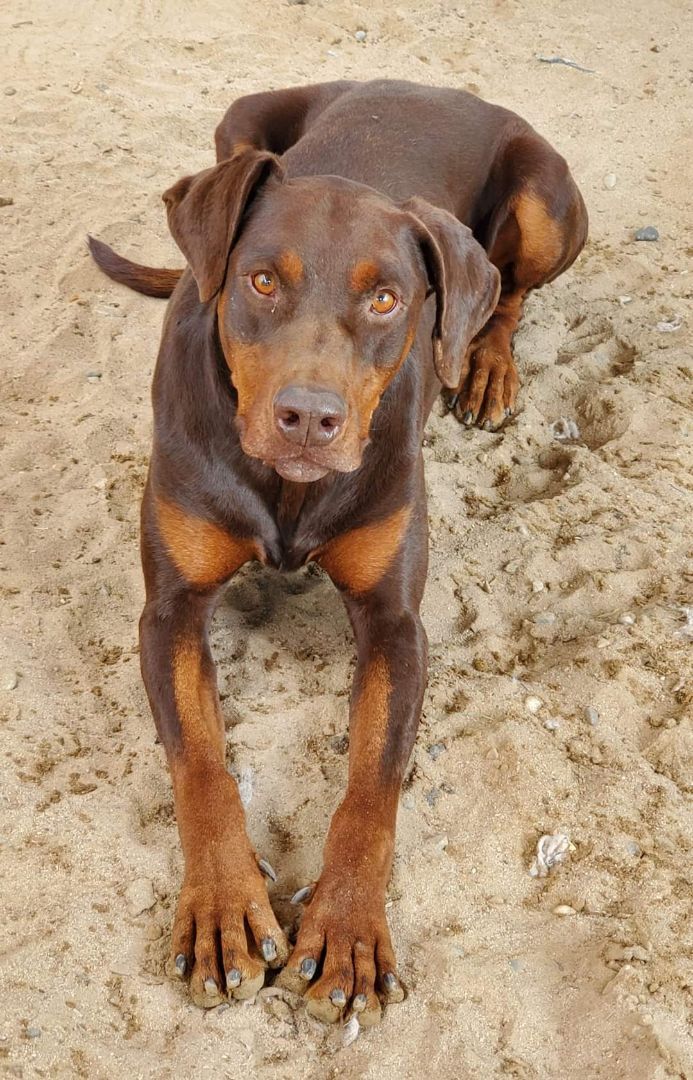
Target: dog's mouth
{"points": [[299, 470]]}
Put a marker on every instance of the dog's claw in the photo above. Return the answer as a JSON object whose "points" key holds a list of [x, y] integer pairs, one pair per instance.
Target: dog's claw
{"points": [[302, 894], [392, 987], [468, 417], [269, 949], [359, 1003], [307, 969], [338, 998], [210, 986], [267, 869], [180, 964], [233, 979]]}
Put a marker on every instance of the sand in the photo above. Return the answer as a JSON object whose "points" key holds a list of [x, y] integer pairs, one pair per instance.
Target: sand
{"points": [[559, 571]]}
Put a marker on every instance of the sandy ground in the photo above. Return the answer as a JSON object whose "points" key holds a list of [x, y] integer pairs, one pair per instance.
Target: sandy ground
{"points": [[559, 571]]}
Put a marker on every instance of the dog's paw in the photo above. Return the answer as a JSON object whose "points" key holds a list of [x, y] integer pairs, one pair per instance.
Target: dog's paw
{"points": [[222, 895], [343, 961], [488, 390]]}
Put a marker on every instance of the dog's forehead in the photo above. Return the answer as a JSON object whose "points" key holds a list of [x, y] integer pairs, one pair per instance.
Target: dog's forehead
{"points": [[329, 222]]}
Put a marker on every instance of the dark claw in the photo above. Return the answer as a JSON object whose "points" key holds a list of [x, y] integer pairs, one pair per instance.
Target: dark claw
{"points": [[488, 425], [269, 949], [468, 417], [359, 1003], [233, 978], [390, 982], [210, 986], [302, 894], [308, 968], [508, 411], [338, 998], [181, 964], [452, 401], [267, 869]]}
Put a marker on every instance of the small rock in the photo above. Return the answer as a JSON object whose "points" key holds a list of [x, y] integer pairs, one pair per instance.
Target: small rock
{"points": [[533, 704], [545, 618], [670, 326], [360, 35], [537, 586], [140, 896], [564, 909], [648, 232], [623, 300], [6, 200], [634, 849], [516, 964], [511, 567], [408, 801], [591, 715], [440, 843], [10, 91], [9, 680], [626, 619], [551, 724], [93, 376], [280, 1009], [436, 749], [552, 849], [609, 181], [636, 952], [33, 1032]]}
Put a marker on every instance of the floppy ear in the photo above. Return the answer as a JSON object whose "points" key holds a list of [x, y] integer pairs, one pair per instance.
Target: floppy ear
{"points": [[204, 212], [466, 285]]}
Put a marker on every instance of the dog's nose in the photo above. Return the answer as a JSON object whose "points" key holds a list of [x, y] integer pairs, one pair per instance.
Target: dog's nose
{"points": [[309, 416]]}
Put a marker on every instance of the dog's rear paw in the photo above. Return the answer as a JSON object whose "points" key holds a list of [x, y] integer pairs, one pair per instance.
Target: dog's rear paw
{"points": [[488, 390]]}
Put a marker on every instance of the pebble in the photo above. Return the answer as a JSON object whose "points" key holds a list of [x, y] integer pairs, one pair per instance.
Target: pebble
{"points": [[636, 952], [551, 724], [516, 965], [634, 849], [545, 618], [93, 376], [609, 181], [564, 909], [623, 300], [9, 91], [436, 749], [648, 232], [537, 586], [511, 567], [533, 704], [140, 896], [360, 35], [33, 1032], [9, 680], [441, 842], [591, 715], [6, 200], [627, 619]]}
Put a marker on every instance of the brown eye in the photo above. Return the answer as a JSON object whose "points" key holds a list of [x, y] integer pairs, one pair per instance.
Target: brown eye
{"points": [[263, 283], [384, 302]]}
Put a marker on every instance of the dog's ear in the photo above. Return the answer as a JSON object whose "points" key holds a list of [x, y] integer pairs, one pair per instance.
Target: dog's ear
{"points": [[466, 285], [204, 212]]}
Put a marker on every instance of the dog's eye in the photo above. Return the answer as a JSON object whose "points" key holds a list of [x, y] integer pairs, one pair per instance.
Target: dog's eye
{"points": [[384, 302], [263, 283]]}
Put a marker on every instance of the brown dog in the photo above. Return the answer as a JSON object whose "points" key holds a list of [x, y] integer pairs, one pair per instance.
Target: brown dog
{"points": [[332, 288]]}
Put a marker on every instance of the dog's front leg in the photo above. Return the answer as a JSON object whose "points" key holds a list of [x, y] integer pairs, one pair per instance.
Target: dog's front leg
{"points": [[344, 938], [186, 559]]}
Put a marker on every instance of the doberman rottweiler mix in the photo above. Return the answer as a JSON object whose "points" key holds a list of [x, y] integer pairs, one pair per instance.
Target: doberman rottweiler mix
{"points": [[356, 246]]}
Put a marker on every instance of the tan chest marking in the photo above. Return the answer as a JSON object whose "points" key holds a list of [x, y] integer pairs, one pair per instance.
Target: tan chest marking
{"points": [[360, 558], [201, 551]]}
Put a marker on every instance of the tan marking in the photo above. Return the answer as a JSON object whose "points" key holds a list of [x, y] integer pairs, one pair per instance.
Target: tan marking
{"points": [[196, 700], [358, 559], [290, 267], [541, 240], [364, 276], [202, 552]]}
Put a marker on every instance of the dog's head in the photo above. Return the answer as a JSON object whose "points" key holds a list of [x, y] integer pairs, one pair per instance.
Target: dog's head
{"points": [[319, 285]]}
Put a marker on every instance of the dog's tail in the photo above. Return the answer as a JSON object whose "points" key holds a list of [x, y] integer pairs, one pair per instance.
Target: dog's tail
{"points": [[143, 279]]}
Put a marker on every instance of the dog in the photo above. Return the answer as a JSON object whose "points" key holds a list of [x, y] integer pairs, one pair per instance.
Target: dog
{"points": [[357, 249]]}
